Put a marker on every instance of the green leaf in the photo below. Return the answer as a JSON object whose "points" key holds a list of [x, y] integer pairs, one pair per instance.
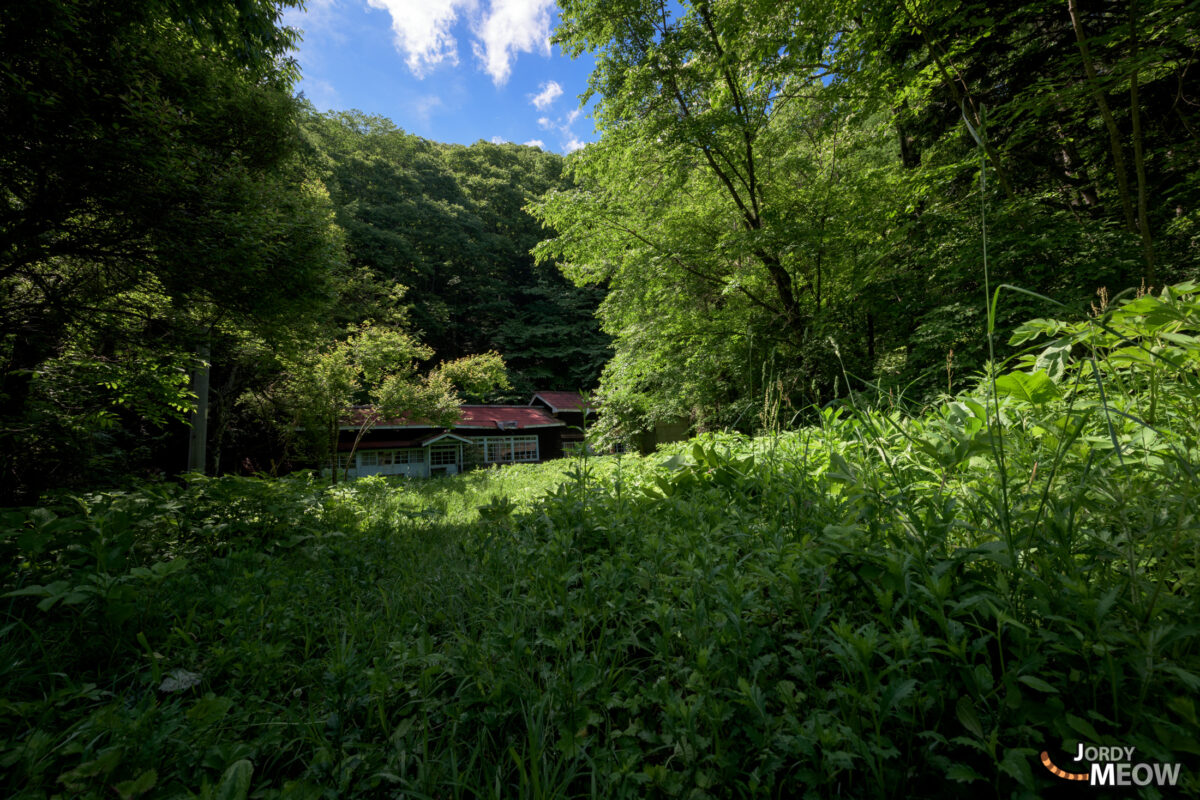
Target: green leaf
{"points": [[38, 591], [101, 765], [1037, 683], [1082, 727], [138, 786], [1184, 707], [235, 783], [962, 774], [1055, 359], [1016, 764], [1188, 679], [1036, 387], [965, 710], [896, 692]]}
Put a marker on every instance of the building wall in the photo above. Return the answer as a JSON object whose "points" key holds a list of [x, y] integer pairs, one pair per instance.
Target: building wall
{"points": [[549, 442]]}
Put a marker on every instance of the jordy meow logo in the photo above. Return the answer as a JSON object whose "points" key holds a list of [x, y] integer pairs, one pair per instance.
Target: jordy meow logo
{"points": [[1114, 766]]}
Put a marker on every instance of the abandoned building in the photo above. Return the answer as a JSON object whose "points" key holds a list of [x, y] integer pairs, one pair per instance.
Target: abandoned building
{"points": [[549, 426]]}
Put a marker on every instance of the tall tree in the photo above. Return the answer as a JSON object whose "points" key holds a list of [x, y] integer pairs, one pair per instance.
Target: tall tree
{"points": [[705, 85], [732, 207], [740, 206], [1090, 109], [148, 150]]}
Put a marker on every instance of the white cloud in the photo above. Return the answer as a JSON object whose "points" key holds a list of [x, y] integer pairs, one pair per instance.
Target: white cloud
{"points": [[422, 29], [510, 27], [570, 141], [535, 143], [550, 91], [501, 30], [424, 106], [498, 140]]}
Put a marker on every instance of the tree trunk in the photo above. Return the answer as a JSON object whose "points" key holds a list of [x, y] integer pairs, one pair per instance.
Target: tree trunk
{"points": [[1139, 162], [962, 96], [1114, 136], [18, 483], [1075, 171], [332, 434], [871, 340], [198, 440], [223, 411], [909, 157], [785, 291]]}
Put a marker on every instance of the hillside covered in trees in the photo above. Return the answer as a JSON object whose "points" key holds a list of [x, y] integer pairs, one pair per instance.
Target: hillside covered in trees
{"points": [[922, 279]]}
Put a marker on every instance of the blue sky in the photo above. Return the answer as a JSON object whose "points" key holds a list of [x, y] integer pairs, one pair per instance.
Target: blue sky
{"points": [[449, 70]]}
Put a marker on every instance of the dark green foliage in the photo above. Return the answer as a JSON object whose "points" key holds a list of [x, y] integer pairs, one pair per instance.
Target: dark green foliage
{"points": [[448, 222], [150, 199]]}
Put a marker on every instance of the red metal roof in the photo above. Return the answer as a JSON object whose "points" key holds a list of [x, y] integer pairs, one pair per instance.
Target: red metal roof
{"points": [[563, 401], [473, 417], [491, 416]]}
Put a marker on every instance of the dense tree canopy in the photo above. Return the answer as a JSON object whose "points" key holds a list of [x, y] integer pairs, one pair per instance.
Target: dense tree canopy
{"points": [[374, 374], [150, 194], [785, 202], [832, 208], [166, 204]]}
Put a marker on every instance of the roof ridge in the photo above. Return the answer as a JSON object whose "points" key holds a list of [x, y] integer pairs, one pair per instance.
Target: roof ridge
{"points": [[490, 405]]}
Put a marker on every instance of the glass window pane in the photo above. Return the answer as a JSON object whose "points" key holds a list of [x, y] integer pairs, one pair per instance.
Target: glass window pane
{"points": [[525, 448]]}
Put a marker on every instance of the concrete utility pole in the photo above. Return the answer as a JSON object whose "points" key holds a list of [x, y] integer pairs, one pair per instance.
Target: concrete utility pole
{"points": [[197, 442]]}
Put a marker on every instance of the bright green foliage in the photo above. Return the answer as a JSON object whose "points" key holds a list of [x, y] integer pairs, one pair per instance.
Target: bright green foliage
{"points": [[736, 208], [855, 608], [784, 191], [475, 377]]}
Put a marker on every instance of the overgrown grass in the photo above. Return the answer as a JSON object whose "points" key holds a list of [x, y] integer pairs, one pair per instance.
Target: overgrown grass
{"points": [[861, 608]]}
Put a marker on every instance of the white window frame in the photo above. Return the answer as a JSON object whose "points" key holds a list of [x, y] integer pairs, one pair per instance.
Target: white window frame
{"points": [[504, 449], [390, 457], [443, 450]]}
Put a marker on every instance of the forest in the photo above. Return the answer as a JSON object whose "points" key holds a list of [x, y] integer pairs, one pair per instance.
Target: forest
{"points": [[921, 281]]}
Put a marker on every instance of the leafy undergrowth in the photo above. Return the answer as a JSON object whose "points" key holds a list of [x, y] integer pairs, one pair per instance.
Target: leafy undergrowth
{"points": [[880, 605]]}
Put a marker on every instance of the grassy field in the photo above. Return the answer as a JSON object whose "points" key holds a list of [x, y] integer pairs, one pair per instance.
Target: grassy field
{"points": [[889, 603]]}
